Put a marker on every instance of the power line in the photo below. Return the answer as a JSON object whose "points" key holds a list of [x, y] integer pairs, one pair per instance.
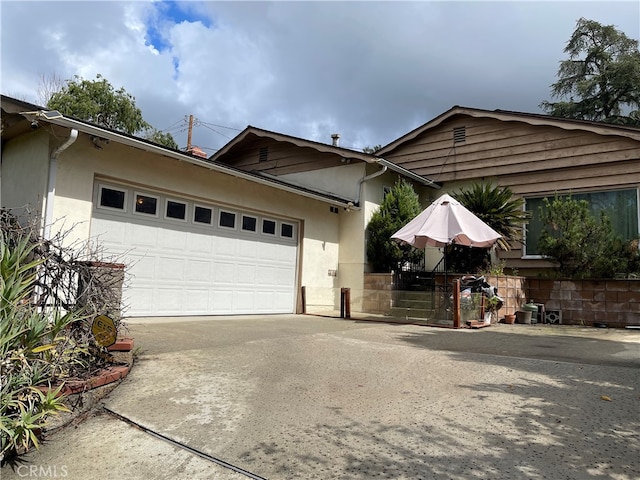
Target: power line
{"points": [[220, 126], [216, 131], [173, 125]]}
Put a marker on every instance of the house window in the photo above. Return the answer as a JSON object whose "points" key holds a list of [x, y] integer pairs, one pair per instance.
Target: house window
{"points": [[621, 206], [249, 223], [227, 219], [177, 210], [202, 215], [286, 230], [146, 204], [459, 134], [269, 227], [112, 198]]}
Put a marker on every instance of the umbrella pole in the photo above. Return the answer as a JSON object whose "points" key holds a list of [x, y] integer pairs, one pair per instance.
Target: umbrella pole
{"points": [[445, 267]]}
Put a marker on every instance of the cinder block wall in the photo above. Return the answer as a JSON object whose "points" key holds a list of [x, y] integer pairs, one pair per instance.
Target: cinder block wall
{"points": [[613, 302], [377, 295], [585, 302], [378, 292], [510, 288]]}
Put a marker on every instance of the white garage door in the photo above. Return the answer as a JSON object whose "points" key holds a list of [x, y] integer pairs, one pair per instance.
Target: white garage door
{"points": [[192, 258]]}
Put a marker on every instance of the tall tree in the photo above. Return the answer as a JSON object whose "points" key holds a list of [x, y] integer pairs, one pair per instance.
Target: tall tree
{"points": [[156, 136], [371, 150], [399, 207], [600, 80], [98, 102], [49, 84]]}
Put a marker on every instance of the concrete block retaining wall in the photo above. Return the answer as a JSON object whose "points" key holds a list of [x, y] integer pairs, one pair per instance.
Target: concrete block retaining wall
{"points": [[614, 302], [378, 293]]}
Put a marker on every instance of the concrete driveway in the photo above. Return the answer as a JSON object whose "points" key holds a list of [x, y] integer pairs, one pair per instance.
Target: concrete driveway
{"points": [[292, 397]]}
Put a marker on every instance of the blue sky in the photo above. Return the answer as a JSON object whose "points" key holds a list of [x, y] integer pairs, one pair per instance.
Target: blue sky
{"points": [[164, 16], [370, 71]]}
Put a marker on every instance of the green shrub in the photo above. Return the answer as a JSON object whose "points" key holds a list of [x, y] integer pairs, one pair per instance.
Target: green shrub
{"points": [[34, 347], [398, 208], [582, 245]]}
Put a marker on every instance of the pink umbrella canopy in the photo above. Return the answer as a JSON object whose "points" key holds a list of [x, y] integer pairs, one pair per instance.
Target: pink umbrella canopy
{"points": [[447, 221]]}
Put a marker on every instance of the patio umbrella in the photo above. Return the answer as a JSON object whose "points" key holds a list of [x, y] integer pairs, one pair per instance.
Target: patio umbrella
{"points": [[444, 222]]}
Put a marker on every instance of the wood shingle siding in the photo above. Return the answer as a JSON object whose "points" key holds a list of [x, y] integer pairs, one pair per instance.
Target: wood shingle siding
{"points": [[257, 150], [513, 150], [534, 155]]}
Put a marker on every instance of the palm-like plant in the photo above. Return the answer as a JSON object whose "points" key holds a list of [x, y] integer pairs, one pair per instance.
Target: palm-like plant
{"points": [[497, 207]]}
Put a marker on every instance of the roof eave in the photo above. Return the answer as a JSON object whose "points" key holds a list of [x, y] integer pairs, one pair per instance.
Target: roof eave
{"points": [[205, 163], [299, 142], [506, 116]]}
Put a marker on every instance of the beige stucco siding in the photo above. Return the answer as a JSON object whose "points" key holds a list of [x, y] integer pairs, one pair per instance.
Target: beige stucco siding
{"points": [[82, 163], [25, 168], [342, 181]]}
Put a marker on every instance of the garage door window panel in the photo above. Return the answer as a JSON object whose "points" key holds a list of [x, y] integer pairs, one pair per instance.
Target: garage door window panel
{"points": [[176, 210], [268, 227], [146, 204], [227, 220], [202, 215], [286, 230], [249, 224], [113, 198]]}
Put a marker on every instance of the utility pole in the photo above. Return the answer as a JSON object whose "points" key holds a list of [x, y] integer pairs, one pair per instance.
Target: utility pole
{"points": [[189, 133]]}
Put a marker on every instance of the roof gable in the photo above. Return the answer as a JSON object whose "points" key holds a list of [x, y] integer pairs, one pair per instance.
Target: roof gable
{"points": [[599, 128], [251, 132]]}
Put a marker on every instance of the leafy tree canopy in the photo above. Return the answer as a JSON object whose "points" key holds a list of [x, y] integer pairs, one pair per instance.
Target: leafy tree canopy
{"points": [[600, 81], [96, 101], [583, 245], [399, 207], [371, 150], [165, 139]]}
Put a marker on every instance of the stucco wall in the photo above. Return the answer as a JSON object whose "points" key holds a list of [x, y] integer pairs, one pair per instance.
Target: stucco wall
{"points": [[341, 181], [25, 167], [82, 163]]}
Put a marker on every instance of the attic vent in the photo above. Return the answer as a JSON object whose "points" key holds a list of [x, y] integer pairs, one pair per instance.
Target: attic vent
{"points": [[459, 134], [263, 154]]}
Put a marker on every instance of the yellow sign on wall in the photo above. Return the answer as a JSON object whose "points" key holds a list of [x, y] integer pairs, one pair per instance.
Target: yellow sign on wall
{"points": [[104, 330]]}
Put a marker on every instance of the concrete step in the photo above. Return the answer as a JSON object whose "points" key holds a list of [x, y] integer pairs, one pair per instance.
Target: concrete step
{"points": [[412, 312], [419, 304], [409, 295]]}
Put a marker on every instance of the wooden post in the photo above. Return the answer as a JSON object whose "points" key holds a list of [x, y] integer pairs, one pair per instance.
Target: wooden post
{"points": [[189, 132], [345, 303], [456, 303], [303, 299]]}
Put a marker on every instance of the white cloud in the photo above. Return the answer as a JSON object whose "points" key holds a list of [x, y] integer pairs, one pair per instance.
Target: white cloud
{"points": [[370, 71]]}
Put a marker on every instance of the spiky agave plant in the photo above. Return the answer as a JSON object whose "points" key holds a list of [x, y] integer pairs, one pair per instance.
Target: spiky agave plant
{"points": [[498, 208]]}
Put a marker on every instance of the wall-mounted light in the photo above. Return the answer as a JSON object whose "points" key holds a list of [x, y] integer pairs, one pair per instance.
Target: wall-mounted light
{"points": [[98, 142]]}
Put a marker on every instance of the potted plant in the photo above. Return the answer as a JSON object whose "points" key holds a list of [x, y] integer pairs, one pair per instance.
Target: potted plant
{"points": [[491, 306]]}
